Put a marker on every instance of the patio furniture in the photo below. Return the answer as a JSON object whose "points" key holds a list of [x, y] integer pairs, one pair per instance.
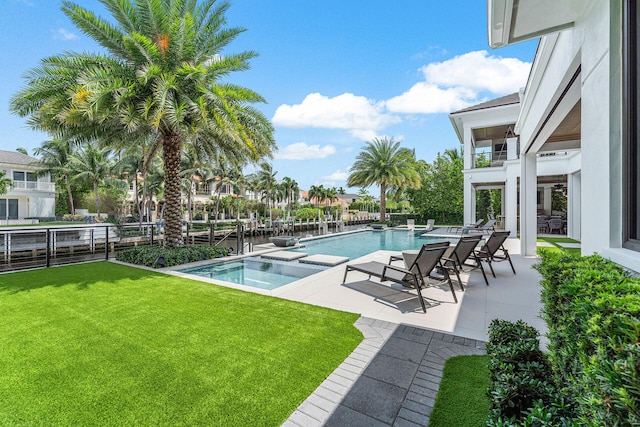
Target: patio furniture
{"points": [[465, 228], [418, 273], [489, 251], [457, 259], [430, 224], [556, 224], [490, 225], [543, 224]]}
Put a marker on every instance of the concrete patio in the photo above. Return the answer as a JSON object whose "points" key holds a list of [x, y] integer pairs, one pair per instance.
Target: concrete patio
{"points": [[392, 377]]}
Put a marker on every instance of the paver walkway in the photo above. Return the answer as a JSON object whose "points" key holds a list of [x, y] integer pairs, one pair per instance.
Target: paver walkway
{"points": [[390, 379]]}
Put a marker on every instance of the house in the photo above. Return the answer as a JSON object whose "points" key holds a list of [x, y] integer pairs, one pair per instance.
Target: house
{"points": [[30, 195], [582, 94], [492, 161]]}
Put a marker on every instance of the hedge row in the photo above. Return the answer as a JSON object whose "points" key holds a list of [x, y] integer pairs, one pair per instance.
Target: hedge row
{"points": [[149, 255], [522, 392], [592, 310]]}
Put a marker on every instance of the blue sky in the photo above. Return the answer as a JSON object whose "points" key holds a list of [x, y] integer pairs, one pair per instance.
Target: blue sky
{"points": [[335, 73]]}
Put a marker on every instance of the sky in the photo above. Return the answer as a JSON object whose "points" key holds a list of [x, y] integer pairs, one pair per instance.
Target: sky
{"points": [[335, 73]]}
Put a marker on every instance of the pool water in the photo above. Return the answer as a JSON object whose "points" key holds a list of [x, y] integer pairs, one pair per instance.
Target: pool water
{"points": [[271, 274], [359, 244], [256, 272]]}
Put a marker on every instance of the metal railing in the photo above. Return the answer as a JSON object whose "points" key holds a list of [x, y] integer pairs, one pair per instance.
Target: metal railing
{"points": [[33, 185]]}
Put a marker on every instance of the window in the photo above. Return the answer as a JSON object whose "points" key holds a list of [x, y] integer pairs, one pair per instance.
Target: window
{"points": [[8, 208], [18, 176], [631, 97]]}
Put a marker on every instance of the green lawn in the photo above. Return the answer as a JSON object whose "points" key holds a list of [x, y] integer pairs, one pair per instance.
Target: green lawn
{"points": [[106, 344], [462, 399], [555, 240]]}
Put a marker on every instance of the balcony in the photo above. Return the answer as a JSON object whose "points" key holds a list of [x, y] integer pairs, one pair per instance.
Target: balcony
{"points": [[34, 185]]}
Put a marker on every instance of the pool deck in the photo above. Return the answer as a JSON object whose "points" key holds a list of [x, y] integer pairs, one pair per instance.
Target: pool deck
{"points": [[392, 377]]}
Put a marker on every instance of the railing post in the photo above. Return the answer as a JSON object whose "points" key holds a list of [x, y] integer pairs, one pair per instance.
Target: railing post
{"points": [[187, 238], [106, 243], [152, 234], [212, 237], [48, 248]]}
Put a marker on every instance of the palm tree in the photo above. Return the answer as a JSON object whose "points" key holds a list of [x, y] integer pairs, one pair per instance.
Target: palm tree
{"points": [[291, 189], [317, 192], [55, 160], [267, 182], [161, 74], [92, 164], [5, 183], [385, 163]]}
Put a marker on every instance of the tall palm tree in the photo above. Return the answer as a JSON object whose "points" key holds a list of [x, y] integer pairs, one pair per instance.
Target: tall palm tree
{"points": [[55, 159], [267, 181], [385, 163], [93, 164], [161, 74], [317, 192]]}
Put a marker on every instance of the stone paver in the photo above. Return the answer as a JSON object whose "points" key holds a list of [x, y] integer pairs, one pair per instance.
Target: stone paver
{"points": [[391, 378]]}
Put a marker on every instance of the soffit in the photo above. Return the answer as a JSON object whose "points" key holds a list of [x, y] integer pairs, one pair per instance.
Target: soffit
{"points": [[513, 21]]}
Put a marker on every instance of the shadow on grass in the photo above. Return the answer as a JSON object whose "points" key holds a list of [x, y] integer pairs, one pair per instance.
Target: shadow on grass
{"points": [[82, 276]]}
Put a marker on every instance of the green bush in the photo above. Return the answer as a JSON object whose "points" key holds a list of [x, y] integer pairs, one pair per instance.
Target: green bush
{"points": [[519, 373], [147, 255], [308, 213], [592, 309]]}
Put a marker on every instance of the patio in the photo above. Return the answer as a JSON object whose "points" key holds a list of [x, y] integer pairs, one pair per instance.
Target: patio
{"points": [[392, 378]]}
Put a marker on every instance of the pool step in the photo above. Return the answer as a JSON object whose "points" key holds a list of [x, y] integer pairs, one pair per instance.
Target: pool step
{"points": [[328, 260], [284, 255]]}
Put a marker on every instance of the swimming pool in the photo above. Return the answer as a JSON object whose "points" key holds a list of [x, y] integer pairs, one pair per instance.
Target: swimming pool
{"points": [[256, 272], [355, 245], [271, 274]]}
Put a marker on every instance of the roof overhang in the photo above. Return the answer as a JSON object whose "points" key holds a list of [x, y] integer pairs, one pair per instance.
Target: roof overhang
{"points": [[513, 21]]}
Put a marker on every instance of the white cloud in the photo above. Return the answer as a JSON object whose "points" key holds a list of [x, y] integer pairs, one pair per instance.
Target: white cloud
{"points": [[459, 82], [479, 71], [64, 34], [347, 111], [302, 151], [337, 176]]}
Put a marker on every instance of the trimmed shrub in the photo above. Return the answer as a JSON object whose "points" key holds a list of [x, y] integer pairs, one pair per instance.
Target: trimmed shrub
{"points": [[147, 255], [592, 310]]}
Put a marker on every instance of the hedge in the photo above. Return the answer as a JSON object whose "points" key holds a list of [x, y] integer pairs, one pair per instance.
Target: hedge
{"points": [[592, 310], [148, 255]]}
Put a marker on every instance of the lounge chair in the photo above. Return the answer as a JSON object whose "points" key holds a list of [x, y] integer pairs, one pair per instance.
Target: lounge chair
{"points": [[489, 251], [457, 259], [417, 274], [430, 224], [490, 225], [473, 226]]}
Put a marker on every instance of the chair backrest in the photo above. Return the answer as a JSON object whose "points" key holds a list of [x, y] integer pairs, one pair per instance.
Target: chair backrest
{"points": [[555, 223], [489, 224], [430, 224], [494, 242], [428, 258], [478, 223], [464, 248]]}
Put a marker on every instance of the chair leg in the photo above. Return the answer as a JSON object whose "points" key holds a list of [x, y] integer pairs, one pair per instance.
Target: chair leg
{"points": [[418, 286], [491, 267], [346, 270], [455, 269], [453, 292], [510, 263], [483, 273]]}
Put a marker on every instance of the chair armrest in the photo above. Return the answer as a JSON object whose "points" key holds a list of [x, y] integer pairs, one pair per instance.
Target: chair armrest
{"points": [[396, 268]]}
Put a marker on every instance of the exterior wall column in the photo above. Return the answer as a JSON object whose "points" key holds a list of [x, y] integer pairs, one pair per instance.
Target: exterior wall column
{"points": [[548, 197], [510, 202], [512, 148], [469, 214], [528, 205], [574, 191]]}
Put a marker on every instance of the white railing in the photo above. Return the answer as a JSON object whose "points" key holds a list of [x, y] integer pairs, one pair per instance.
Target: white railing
{"points": [[32, 185]]}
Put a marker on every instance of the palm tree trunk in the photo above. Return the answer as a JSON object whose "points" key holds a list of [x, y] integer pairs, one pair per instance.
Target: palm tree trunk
{"points": [[383, 202], [95, 190], [171, 151], [72, 210]]}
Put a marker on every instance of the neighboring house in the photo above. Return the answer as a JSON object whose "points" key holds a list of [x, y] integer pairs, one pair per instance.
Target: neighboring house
{"points": [[29, 196], [492, 161], [582, 92]]}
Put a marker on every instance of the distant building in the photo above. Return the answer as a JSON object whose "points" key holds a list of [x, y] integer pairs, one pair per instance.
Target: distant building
{"points": [[29, 195]]}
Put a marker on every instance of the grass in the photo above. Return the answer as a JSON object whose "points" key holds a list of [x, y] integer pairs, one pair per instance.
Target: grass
{"points": [[107, 344], [462, 399], [556, 247]]}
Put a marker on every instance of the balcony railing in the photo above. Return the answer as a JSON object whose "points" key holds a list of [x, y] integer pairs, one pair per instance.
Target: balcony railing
{"points": [[33, 185]]}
